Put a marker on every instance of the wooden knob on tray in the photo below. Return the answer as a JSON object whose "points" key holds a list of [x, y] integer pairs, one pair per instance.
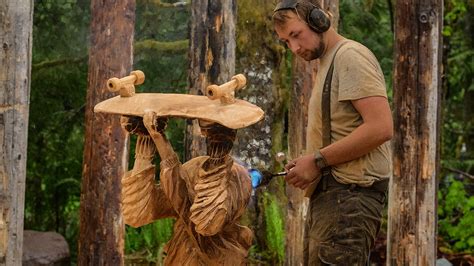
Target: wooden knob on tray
{"points": [[126, 85], [226, 91]]}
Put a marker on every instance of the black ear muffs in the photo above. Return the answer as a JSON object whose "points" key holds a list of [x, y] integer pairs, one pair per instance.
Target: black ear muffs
{"points": [[316, 19]]}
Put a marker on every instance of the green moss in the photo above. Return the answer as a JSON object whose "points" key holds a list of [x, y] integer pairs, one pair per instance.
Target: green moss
{"points": [[274, 227], [172, 47], [254, 19]]}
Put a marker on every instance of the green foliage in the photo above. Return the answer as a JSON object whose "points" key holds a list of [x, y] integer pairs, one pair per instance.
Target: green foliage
{"points": [[274, 228], [60, 29], [255, 20], [355, 16], [458, 88], [457, 10], [160, 37], [149, 239], [456, 201], [456, 217], [55, 138]]}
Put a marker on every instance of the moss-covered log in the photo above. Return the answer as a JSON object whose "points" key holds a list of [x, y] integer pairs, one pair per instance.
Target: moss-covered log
{"points": [[212, 55], [263, 61]]}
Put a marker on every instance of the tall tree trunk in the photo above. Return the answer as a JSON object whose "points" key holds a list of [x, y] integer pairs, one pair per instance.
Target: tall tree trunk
{"points": [[262, 61], [417, 81], [16, 20], [212, 56], [304, 74], [106, 144]]}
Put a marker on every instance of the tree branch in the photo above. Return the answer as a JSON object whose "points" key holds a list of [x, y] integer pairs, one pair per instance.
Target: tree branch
{"points": [[390, 10], [168, 5], [175, 47], [459, 172], [59, 62]]}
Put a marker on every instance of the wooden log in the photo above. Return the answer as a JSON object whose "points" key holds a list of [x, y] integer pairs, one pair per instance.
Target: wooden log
{"points": [[417, 81], [261, 60], [16, 18], [106, 144], [212, 56]]}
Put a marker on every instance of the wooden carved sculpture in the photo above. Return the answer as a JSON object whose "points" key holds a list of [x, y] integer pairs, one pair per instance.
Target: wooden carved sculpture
{"points": [[207, 195]]}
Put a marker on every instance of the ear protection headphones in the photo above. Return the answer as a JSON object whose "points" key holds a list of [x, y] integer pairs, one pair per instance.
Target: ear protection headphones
{"points": [[316, 18]]}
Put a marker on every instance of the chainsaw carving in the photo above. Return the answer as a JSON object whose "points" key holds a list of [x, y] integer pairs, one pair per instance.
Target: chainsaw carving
{"points": [[207, 195]]}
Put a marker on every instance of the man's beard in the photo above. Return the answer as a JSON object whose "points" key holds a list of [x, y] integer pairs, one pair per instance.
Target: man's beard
{"points": [[317, 52]]}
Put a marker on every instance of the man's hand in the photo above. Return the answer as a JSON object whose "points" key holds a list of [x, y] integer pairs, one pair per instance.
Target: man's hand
{"points": [[302, 171]]}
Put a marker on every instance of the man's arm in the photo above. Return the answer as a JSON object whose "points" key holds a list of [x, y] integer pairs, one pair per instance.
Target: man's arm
{"points": [[376, 128]]}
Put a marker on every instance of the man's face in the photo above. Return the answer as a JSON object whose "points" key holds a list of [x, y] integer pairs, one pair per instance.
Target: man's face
{"points": [[299, 37]]}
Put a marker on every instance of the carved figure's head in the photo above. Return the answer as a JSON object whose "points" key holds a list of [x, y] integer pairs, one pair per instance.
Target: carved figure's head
{"points": [[219, 138], [133, 125]]}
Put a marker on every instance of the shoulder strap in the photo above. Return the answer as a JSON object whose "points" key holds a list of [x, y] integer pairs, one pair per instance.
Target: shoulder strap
{"points": [[326, 102]]}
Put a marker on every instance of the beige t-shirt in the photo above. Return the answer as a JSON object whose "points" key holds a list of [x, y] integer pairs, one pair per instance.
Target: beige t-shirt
{"points": [[357, 74]]}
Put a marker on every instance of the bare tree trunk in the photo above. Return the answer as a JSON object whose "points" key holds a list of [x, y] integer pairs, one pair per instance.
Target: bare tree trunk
{"points": [[261, 60], [212, 56], [304, 74], [16, 21], [106, 144], [417, 81]]}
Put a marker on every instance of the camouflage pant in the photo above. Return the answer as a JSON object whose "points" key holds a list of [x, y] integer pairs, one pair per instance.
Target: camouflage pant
{"points": [[342, 223]]}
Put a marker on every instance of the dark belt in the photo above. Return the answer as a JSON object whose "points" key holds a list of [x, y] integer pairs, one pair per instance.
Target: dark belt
{"points": [[328, 181]]}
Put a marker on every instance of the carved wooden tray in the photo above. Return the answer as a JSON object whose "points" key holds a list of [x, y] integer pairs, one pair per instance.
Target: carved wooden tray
{"points": [[234, 115]]}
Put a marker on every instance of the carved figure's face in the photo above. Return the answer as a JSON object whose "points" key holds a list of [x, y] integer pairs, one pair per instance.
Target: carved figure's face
{"points": [[133, 125], [218, 137]]}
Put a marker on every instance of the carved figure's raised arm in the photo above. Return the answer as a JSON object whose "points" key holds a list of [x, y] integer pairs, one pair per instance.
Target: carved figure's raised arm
{"points": [[143, 201], [171, 174]]}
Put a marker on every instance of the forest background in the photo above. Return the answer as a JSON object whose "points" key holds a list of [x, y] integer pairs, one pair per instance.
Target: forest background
{"points": [[58, 95]]}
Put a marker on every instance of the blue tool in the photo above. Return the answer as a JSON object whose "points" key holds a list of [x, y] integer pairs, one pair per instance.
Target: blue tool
{"points": [[262, 178]]}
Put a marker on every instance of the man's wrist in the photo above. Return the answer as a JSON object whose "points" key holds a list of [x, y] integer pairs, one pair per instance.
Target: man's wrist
{"points": [[319, 160]]}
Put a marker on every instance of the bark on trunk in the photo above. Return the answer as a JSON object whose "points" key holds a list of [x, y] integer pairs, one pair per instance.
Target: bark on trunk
{"points": [[212, 56], [262, 61], [16, 20], [106, 144], [304, 74], [417, 81]]}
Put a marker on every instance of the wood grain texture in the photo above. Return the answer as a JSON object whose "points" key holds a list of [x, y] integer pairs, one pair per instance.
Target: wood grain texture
{"points": [[417, 81], [106, 144], [206, 195], [16, 21]]}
